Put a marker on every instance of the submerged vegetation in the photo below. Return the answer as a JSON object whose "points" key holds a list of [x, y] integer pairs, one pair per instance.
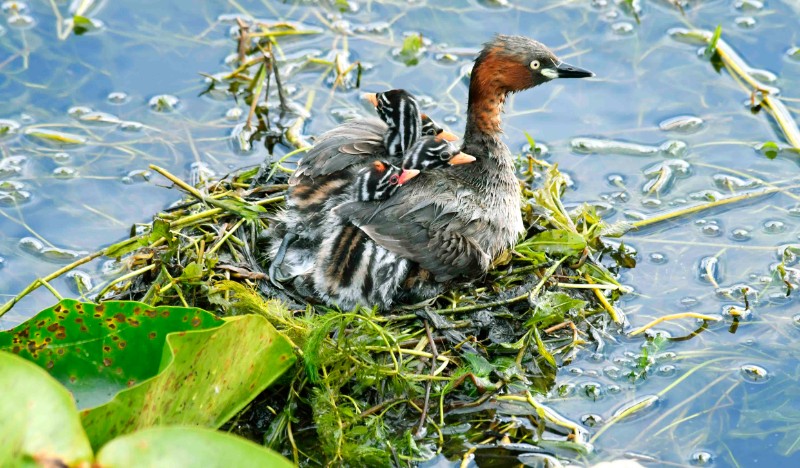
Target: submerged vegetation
{"points": [[470, 374]]}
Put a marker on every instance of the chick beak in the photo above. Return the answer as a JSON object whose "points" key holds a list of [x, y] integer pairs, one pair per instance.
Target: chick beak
{"points": [[407, 175], [445, 135], [372, 98], [461, 158]]}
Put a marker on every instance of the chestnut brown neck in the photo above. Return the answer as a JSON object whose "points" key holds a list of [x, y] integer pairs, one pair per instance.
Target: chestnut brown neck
{"points": [[493, 77]]}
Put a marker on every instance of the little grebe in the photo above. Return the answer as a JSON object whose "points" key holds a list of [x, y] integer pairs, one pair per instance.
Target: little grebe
{"points": [[445, 224]]}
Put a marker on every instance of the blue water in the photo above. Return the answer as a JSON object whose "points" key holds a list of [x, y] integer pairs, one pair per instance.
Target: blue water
{"points": [[79, 198]]}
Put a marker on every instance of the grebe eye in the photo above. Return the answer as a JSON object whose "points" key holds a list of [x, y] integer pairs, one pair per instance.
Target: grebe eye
{"points": [[394, 179], [535, 65]]}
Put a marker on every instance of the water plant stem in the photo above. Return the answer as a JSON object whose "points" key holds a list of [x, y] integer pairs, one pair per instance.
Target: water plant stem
{"points": [[673, 317]]}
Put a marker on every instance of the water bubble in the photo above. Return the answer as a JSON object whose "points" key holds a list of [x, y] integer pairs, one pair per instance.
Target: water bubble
{"points": [[622, 28], [13, 197], [77, 111], [736, 311], [749, 5], [200, 173], [31, 245], [612, 372], [709, 270], [616, 180], [796, 319], [575, 371], [711, 230], [651, 202], [778, 298], [658, 258], [613, 389], [745, 22], [140, 175], [774, 226], [591, 390], [728, 182], [565, 390], [234, 114], [599, 3], [666, 356], [612, 14], [112, 268], [688, 302], [764, 76], [56, 254], [130, 126], [80, 281], [632, 215], [652, 334], [591, 420], [624, 361], [701, 458], [163, 103], [682, 124], [674, 148], [64, 172], [740, 234], [118, 97], [380, 27], [21, 21], [667, 370], [13, 7], [754, 373], [343, 114], [619, 197], [61, 158], [86, 25], [706, 195], [241, 138], [11, 166], [8, 128], [794, 210], [99, 118], [793, 53]]}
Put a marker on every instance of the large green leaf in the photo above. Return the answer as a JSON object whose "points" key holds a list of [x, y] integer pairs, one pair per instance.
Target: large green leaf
{"points": [[39, 419], [133, 366], [96, 350], [186, 446], [207, 376]]}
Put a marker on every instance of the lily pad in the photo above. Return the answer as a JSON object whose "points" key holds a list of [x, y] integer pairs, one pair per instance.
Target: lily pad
{"points": [[96, 350], [187, 446], [205, 378], [133, 366], [40, 420]]}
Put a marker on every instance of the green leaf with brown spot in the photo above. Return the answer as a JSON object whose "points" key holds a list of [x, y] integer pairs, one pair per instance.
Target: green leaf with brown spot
{"points": [[39, 418], [96, 350], [133, 366], [206, 377]]}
